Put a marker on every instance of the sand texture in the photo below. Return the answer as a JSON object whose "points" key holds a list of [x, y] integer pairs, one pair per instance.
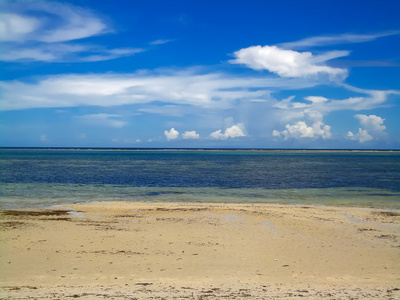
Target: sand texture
{"points": [[122, 250]]}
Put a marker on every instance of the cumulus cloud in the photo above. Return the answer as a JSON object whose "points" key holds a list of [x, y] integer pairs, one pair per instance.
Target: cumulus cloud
{"points": [[190, 135], [300, 129], [289, 63], [362, 136], [373, 128], [172, 134], [43, 31], [372, 122], [107, 120], [231, 132]]}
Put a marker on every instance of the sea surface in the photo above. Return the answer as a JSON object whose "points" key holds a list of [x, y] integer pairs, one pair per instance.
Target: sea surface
{"points": [[41, 178]]}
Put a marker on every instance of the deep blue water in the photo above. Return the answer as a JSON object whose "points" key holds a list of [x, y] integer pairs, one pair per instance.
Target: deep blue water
{"points": [[50, 176]]}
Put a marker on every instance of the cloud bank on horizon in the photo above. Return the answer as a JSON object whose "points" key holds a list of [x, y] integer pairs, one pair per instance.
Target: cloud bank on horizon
{"points": [[65, 75]]}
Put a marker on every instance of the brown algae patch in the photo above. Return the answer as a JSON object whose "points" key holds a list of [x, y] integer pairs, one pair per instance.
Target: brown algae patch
{"points": [[34, 213]]}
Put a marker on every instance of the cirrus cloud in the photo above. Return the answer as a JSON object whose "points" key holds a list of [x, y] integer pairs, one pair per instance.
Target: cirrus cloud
{"points": [[43, 31], [344, 38], [186, 87], [107, 120], [14, 27], [48, 22]]}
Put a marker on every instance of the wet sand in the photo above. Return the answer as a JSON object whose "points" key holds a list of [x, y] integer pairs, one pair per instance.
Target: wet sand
{"points": [[200, 251]]}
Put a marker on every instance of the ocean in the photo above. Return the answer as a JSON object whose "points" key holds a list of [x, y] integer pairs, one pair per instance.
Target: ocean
{"points": [[42, 178]]}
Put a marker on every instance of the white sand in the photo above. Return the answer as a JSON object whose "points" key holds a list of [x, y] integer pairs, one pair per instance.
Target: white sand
{"points": [[148, 251]]}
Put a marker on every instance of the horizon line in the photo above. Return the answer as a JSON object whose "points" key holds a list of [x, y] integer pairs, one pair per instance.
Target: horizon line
{"points": [[203, 149]]}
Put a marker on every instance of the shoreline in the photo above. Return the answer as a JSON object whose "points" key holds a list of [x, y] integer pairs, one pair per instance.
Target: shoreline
{"points": [[195, 250]]}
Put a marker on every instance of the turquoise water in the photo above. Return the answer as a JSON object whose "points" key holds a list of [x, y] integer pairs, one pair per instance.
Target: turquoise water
{"points": [[32, 178]]}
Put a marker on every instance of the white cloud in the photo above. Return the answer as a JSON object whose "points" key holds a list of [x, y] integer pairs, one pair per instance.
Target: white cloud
{"points": [[60, 52], [300, 129], [213, 90], [161, 41], [103, 54], [373, 99], [232, 132], [362, 136], [58, 22], [77, 24], [190, 135], [316, 99], [345, 38], [14, 27], [30, 54], [289, 63], [42, 31], [373, 128], [372, 122], [107, 120], [172, 134]]}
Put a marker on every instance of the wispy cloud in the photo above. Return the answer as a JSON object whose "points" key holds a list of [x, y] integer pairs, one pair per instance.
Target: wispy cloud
{"points": [[328, 40], [103, 120], [161, 41], [186, 88], [43, 31], [15, 27], [61, 52], [362, 100]]}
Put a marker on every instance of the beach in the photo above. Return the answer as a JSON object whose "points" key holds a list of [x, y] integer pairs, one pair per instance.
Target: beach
{"points": [[134, 250]]}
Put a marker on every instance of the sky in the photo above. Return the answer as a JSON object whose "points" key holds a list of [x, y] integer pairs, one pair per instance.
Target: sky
{"points": [[200, 74]]}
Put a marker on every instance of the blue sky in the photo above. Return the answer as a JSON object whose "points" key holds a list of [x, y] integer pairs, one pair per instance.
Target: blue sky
{"points": [[181, 73]]}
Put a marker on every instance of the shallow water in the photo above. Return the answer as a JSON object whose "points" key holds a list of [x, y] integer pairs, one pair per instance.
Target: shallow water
{"points": [[45, 177]]}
